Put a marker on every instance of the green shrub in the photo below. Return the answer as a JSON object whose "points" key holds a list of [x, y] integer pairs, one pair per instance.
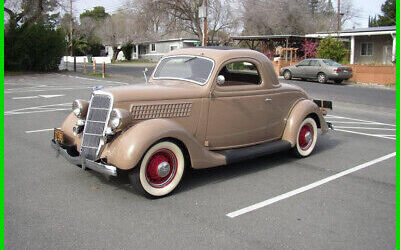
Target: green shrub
{"points": [[36, 47], [332, 48], [127, 50]]}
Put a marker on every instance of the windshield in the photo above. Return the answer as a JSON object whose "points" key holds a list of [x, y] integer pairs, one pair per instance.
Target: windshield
{"points": [[331, 62], [190, 68]]}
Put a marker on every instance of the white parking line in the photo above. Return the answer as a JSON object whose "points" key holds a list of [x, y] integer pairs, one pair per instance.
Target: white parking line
{"points": [[365, 128], [39, 130], [360, 133], [308, 187], [39, 109], [353, 119]]}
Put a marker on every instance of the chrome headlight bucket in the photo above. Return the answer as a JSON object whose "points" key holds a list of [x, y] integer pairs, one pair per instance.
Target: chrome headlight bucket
{"points": [[119, 119], [79, 108]]}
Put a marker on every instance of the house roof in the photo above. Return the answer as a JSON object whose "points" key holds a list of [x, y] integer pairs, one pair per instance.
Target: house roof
{"points": [[372, 31], [265, 37], [171, 40]]}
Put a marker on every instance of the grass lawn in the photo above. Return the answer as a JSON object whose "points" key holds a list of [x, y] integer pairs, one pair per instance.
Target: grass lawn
{"points": [[98, 74]]}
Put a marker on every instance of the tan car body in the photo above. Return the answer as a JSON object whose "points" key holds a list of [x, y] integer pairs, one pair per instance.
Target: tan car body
{"points": [[204, 119]]}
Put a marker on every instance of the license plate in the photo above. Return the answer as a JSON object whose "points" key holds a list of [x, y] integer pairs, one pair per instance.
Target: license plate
{"points": [[58, 135], [345, 71]]}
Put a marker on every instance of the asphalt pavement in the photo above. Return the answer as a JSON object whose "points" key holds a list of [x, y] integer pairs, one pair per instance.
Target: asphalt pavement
{"points": [[341, 197]]}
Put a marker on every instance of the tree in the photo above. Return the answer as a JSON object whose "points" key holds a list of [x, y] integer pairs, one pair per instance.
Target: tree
{"points": [[309, 48], [332, 48], [35, 47], [116, 30], [389, 15], [98, 13], [127, 50]]}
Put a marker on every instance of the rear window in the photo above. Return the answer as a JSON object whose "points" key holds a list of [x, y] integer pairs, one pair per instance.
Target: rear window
{"points": [[331, 62]]}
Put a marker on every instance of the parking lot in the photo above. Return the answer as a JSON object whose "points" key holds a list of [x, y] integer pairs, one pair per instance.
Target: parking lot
{"points": [[341, 197]]}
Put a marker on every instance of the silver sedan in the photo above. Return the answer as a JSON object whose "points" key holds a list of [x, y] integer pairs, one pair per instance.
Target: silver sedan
{"points": [[320, 69]]}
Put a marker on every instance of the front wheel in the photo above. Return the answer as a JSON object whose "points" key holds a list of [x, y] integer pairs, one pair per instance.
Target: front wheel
{"points": [[287, 75], [322, 78], [160, 170], [306, 138]]}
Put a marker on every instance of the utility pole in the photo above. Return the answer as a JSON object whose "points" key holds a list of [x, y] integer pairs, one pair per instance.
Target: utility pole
{"points": [[339, 16], [205, 28], [70, 28]]}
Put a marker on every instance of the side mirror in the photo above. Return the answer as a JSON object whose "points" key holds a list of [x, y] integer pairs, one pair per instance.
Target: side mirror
{"points": [[144, 73], [220, 80]]}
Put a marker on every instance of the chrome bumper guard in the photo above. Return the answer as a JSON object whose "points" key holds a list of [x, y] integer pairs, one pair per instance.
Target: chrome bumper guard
{"points": [[78, 160]]}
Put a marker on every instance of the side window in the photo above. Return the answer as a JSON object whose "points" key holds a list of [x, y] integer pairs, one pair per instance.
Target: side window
{"points": [[314, 63], [240, 73], [304, 63], [152, 47]]}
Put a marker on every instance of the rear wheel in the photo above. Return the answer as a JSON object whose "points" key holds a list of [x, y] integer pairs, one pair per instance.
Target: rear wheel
{"points": [[322, 78], [306, 138], [160, 170], [287, 75], [338, 81]]}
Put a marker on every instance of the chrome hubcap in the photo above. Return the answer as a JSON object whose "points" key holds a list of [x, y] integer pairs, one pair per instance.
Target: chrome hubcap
{"points": [[308, 137], [163, 169]]}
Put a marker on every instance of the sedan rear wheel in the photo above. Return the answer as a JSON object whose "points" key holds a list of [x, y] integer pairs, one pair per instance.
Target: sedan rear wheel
{"points": [[160, 171], [322, 78], [287, 75], [306, 138]]}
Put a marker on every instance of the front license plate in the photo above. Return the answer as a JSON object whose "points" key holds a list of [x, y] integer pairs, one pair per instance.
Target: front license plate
{"points": [[58, 135]]}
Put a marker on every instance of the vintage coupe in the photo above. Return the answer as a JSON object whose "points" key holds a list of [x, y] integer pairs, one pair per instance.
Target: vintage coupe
{"points": [[201, 108]]}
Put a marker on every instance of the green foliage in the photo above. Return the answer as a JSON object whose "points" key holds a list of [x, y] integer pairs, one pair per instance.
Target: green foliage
{"points": [[331, 48], [98, 13], [34, 47], [127, 50], [389, 15]]}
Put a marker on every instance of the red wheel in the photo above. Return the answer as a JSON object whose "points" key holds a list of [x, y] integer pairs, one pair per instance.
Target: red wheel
{"points": [[160, 170], [306, 138]]}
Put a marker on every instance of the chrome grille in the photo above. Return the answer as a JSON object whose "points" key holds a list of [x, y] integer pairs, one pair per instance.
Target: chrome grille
{"points": [[96, 121]]}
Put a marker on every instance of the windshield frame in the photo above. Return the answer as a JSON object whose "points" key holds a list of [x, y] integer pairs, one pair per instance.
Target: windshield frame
{"points": [[184, 79]]}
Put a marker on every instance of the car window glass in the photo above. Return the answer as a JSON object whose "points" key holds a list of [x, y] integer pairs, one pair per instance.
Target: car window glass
{"points": [[191, 68], [240, 73], [304, 63], [314, 63], [331, 63]]}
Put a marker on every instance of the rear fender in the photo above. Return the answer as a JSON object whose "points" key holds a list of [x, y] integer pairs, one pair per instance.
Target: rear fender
{"points": [[299, 112], [126, 150]]}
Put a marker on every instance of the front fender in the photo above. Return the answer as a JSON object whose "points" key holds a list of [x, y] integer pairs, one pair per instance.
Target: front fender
{"points": [[299, 112], [126, 150]]}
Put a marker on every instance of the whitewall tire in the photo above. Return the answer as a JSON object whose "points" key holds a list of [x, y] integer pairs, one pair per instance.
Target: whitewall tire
{"points": [[306, 138], [160, 170]]}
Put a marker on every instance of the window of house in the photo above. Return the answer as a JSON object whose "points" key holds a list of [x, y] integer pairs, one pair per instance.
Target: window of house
{"points": [[240, 73], [367, 49], [152, 47], [173, 47]]}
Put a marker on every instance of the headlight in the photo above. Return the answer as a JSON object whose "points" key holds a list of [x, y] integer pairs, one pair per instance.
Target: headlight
{"points": [[119, 118], [80, 107]]}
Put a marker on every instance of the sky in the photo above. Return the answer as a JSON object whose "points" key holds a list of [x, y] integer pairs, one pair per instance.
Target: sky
{"points": [[365, 8]]}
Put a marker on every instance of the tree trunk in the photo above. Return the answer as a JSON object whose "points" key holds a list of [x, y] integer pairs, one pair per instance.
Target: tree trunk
{"points": [[115, 53]]}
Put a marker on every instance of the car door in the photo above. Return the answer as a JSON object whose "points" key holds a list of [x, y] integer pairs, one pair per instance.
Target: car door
{"points": [[313, 69], [242, 111], [299, 70]]}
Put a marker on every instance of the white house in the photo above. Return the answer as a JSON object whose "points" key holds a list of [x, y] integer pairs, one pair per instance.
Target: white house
{"points": [[375, 45]]}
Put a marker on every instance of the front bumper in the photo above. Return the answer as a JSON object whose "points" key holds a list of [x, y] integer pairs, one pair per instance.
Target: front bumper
{"points": [[65, 151]]}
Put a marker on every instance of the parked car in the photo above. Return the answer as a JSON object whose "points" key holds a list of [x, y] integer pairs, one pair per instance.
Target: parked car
{"points": [[320, 69], [201, 108]]}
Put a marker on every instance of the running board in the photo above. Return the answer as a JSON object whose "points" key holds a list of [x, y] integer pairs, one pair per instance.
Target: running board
{"points": [[246, 153]]}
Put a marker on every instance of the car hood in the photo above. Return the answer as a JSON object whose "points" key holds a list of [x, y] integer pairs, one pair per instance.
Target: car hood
{"points": [[162, 90]]}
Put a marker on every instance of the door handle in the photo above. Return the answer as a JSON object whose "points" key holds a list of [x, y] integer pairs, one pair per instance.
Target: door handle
{"points": [[268, 99]]}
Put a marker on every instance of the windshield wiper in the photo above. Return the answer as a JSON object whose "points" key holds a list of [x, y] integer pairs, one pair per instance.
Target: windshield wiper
{"points": [[188, 60]]}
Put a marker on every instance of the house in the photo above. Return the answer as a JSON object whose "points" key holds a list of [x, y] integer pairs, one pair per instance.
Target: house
{"points": [[375, 45]]}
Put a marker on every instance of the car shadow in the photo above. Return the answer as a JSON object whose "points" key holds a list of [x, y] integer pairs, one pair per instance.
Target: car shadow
{"points": [[196, 178], [330, 82]]}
